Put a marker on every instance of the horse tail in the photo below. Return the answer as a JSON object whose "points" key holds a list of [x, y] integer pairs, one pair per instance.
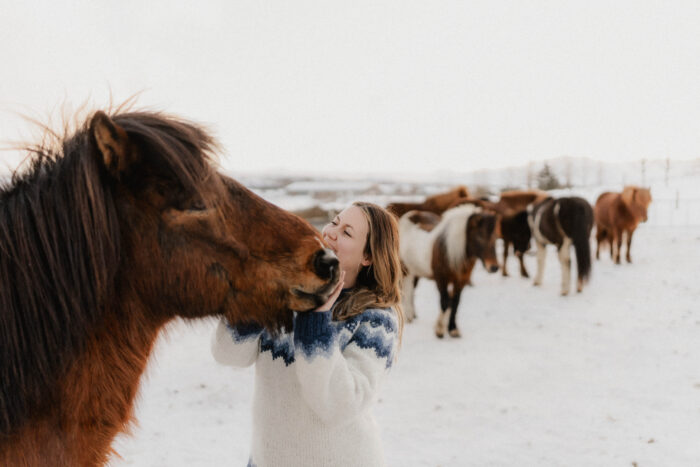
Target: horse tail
{"points": [[576, 219]]}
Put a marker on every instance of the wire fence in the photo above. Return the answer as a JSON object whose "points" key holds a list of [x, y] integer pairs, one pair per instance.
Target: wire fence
{"points": [[674, 212]]}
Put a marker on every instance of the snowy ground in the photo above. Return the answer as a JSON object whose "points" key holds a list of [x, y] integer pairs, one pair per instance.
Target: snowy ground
{"points": [[607, 377]]}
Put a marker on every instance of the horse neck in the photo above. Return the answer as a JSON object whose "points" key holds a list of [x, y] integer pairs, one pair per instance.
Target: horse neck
{"points": [[453, 229], [638, 211], [633, 212], [102, 382]]}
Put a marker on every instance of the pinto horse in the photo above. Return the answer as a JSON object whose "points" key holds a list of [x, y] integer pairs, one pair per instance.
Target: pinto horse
{"points": [[445, 251], [437, 204], [120, 228], [563, 222], [618, 214]]}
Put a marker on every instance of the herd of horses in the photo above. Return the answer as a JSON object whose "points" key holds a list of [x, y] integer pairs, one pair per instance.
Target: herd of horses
{"points": [[443, 237], [122, 225]]}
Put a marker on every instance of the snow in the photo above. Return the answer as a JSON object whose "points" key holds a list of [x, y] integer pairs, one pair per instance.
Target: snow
{"points": [[606, 377]]}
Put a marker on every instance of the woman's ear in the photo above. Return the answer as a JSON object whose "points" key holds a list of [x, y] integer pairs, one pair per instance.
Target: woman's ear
{"points": [[366, 262]]}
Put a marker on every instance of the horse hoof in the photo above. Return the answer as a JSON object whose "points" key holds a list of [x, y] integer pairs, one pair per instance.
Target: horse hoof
{"points": [[564, 293], [455, 333], [439, 335]]}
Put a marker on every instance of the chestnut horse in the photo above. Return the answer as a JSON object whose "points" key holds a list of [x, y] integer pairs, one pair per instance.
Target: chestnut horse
{"points": [[120, 228], [563, 222], [446, 253], [617, 214], [437, 204]]}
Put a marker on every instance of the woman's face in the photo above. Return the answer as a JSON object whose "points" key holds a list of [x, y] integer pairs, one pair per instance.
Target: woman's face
{"points": [[346, 235]]}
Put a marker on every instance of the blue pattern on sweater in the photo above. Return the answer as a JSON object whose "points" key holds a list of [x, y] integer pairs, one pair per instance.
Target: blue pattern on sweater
{"points": [[244, 332], [280, 347], [373, 329], [378, 336], [315, 335]]}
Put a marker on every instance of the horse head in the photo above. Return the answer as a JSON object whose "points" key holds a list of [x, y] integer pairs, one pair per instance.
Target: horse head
{"points": [[637, 200], [197, 243], [481, 239]]}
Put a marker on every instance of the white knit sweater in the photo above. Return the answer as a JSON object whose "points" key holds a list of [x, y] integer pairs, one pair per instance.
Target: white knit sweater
{"points": [[314, 386]]}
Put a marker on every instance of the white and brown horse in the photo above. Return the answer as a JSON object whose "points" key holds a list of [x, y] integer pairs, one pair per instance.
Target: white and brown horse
{"points": [[445, 250], [618, 214], [563, 222]]}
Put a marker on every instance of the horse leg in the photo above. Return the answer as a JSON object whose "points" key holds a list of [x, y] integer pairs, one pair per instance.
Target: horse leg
{"points": [[599, 238], [523, 271], [541, 255], [629, 244], [506, 246], [452, 326], [565, 260], [618, 246], [441, 324], [407, 298]]}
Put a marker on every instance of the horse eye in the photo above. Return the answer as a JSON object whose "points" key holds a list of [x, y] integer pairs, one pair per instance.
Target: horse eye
{"points": [[197, 206]]}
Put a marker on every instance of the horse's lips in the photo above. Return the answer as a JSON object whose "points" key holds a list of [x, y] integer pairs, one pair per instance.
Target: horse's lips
{"points": [[320, 295]]}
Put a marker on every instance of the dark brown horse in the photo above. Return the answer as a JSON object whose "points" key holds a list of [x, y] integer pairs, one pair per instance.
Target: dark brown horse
{"points": [[515, 230], [119, 229], [447, 253], [618, 214], [437, 204]]}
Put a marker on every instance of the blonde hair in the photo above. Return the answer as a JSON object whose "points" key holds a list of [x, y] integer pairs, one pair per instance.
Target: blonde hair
{"points": [[379, 284]]}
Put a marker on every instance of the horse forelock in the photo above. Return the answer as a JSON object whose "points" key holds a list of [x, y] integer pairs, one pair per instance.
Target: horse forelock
{"points": [[173, 148], [59, 239]]}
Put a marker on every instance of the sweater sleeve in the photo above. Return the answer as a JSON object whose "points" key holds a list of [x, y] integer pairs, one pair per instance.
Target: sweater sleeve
{"points": [[341, 380], [236, 345]]}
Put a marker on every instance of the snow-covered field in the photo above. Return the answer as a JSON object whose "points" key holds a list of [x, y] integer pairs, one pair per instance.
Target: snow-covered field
{"points": [[607, 377]]}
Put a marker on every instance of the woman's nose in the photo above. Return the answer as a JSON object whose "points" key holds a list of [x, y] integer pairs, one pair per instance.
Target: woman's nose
{"points": [[329, 232]]}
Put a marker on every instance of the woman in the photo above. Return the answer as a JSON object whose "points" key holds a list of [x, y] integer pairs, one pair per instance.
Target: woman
{"points": [[315, 384]]}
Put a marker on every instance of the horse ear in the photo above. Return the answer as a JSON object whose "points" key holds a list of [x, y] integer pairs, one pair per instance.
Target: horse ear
{"points": [[112, 142]]}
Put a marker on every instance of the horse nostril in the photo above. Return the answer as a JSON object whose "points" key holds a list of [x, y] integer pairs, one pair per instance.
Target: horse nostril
{"points": [[325, 262], [493, 268]]}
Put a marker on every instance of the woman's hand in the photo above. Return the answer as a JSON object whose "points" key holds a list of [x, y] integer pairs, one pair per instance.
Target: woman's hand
{"points": [[334, 295]]}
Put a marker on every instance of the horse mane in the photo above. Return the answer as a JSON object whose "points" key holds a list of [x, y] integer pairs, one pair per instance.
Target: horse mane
{"points": [[452, 229], [60, 248]]}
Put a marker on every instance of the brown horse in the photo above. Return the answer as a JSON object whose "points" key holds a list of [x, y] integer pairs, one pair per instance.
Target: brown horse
{"points": [[617, 214], [119, 229], [446, 252], [514, 201], [436, 204]]}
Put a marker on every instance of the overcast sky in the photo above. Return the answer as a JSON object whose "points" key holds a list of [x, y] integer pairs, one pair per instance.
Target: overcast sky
{"points": [[372, 86]]}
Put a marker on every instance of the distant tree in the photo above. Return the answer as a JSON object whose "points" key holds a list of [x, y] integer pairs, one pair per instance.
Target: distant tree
{"points": [[546, 180]]}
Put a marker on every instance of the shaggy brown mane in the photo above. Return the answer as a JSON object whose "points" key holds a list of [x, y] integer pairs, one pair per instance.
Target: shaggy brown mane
{"points": [[60, 249]]}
